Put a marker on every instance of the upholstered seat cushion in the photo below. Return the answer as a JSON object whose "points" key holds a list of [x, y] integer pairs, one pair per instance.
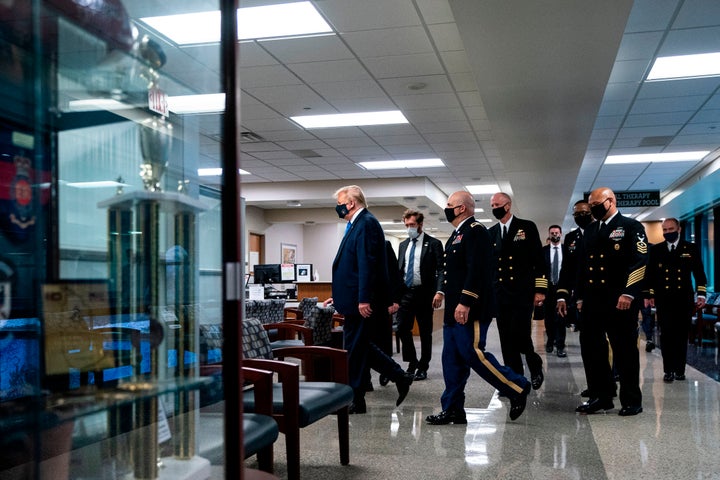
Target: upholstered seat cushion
{"points": [[259, 431], [317, 400], [287, 343]]}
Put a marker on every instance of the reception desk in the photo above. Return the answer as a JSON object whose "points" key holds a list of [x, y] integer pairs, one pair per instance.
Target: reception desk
{"points": [[321, 290]]}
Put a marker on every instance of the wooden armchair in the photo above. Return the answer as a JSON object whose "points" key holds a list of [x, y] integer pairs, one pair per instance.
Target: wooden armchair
{"points": [[297, 404]]}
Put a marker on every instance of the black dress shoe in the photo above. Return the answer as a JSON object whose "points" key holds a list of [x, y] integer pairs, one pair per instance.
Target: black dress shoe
{"points": [[668, 378], [680, 377], [411, 370], [594, 405], [537, 380], [561, 353], [421, 375], [403, 386], [357, 406], [445, 417], [649, 346], [628, 411], [384, 380], [517, 404], [548, 348]]}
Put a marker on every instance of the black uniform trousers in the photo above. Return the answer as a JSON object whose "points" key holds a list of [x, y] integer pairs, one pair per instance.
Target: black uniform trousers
{"points": [[514, 318], [674, 315], [363, 354], [554, 323], [416, 303], [601, 318]]}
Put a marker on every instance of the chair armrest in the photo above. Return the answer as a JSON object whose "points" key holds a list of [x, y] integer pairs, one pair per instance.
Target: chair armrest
{"points": [[210, 370], [338, 320], [295, 312], [289, 377], [284, 327], [262, 381], [338, 358]]}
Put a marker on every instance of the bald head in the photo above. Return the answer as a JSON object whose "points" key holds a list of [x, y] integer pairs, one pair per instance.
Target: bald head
{"points": [[462, 205], [604, 197], [501, 204]]}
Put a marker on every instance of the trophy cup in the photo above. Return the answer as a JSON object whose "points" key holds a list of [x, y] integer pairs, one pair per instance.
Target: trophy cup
{"points": [[155, 142]]}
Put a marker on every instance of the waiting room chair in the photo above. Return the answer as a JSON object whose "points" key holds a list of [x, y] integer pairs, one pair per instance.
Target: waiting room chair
{"points": [[297, 404]]}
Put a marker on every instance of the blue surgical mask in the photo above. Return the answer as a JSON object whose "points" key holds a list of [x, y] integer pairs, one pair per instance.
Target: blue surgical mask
{"points": [[412, 232]]}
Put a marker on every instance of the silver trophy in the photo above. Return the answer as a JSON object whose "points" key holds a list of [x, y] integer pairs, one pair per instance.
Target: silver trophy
{"points": [[155, 143]]}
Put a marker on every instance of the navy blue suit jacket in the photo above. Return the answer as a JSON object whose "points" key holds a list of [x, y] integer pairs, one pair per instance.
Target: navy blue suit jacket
{"points": [[359, 272]]}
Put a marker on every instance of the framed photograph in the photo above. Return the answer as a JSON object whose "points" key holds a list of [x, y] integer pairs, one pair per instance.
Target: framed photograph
{"points": [[303, 272], [288, 253]]}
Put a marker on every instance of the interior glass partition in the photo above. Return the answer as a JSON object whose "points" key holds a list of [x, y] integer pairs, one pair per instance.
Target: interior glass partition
{"points": [[110, 246]]}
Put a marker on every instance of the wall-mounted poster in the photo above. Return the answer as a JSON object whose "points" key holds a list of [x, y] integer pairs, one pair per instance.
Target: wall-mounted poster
{"points": [[303, 272], [288, 253]]}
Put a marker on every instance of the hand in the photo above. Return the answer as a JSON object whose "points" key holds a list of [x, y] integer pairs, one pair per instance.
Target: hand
{"points": [[646, 302], [539, 299], [561, 308], [364, 309], [700, 303], [461, 314], [327, 302], [393, 308], [623, 302], [578, 305], [438, 300]]}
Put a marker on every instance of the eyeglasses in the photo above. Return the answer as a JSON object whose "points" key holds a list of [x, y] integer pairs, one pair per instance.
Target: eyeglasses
{"points": [[581, 214]]}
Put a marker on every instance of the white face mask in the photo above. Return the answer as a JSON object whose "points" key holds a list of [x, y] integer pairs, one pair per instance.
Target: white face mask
{"points": [[412, 232]]}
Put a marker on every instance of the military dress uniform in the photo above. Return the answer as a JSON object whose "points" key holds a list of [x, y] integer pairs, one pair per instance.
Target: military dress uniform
{"points": [[468, 274], [669, 282], [612, 262], [520, 273]]}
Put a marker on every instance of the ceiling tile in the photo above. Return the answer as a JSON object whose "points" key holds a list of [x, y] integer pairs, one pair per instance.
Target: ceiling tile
{"points": [[331, 71], [389, 42], [404, 65], [308, 49], [353, 15]]}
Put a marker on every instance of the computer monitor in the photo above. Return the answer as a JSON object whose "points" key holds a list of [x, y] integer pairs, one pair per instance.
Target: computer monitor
{"points": [[267, 273]]}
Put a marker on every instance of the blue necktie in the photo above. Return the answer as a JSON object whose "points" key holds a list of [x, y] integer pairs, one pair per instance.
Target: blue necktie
{"points": [[411, 264], [347, 228]]}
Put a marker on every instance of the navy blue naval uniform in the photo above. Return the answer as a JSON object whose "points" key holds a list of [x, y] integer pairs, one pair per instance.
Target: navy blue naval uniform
{"points": [[612, 262], [669, 282], [468, 281]]}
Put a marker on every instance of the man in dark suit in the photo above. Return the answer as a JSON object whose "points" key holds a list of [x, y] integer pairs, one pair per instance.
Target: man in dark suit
{"points": [[420, 261], [520, 284], [670, 291], [360, 291], [468, 314], [554, 255], [611, 270]]}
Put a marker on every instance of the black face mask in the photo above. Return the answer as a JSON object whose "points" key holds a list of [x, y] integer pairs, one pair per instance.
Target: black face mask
{"points": [[599, 211], [584, 220], [554, 239], [341, 210], [450, 214], [671, 237], [499, 212]]}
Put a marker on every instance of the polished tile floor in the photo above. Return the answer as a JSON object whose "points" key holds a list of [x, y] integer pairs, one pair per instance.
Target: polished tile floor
{"points": [[676, 437]]}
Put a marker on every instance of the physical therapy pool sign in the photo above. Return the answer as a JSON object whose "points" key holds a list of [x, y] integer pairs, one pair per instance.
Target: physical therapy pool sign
{"points": [[636, 198]]}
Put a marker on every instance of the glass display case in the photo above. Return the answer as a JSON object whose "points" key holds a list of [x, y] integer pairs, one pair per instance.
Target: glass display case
{"points": [[107, 266]]}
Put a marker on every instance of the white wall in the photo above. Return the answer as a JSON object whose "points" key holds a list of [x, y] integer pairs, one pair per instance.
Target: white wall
{"points": [[321, 243]]}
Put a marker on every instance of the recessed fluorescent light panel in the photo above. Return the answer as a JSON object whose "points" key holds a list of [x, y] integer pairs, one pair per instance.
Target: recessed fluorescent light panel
{"points": [[485, 189], [389, 117], [656, 157], [685, 66], [98, 184], [216, 172], [393, 164], [208, 103], [281, 20]]}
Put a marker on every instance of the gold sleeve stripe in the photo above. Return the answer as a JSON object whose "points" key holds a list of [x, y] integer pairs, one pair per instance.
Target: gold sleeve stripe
{"points": [[636, 276], [702, 289], [472, 294], [541, 283], [642, 247], [562, 290], [652, 292]]}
